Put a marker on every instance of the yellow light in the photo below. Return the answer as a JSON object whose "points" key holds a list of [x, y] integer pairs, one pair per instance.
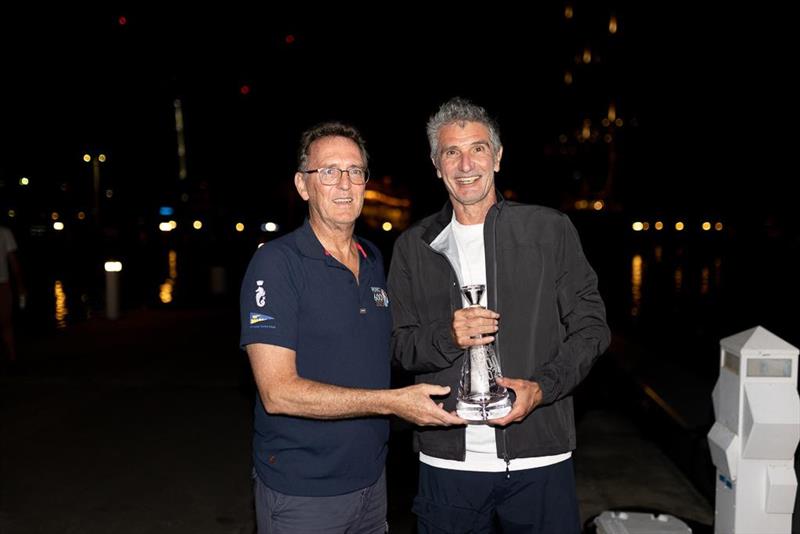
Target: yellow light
{"points": [[705, 278], [197, 225], [645, 226], [612, 25], [24, 181], [113, 266], [568, 12], [568, 78], [172, 224], [587, 56], [659, 225], [679, 226], [239, 227], [58, 226], [706, 226], [61, 304], [172, 260], [718, 226], [371, 194], [54, 215], [612, 112], [81, 215], [598, 205], [618, 122], [12, 213], [101, 158], [165, 227], [581, 204], [87, 158], [637, 226], [678, 278], [387, 226], [165, 291], [636, 284]]}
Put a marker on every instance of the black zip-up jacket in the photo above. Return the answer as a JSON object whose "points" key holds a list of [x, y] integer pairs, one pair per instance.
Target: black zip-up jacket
{"points": [[552, 320]]}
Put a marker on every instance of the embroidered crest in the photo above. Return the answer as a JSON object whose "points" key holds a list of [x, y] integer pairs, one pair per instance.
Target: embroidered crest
{"points": [[380, 296]]}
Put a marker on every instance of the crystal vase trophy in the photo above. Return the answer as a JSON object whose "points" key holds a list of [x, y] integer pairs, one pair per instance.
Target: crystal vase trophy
{"points": [[480, 398]]}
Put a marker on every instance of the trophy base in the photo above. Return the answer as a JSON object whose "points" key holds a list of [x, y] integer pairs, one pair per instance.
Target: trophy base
{"points": [[480, 411]]}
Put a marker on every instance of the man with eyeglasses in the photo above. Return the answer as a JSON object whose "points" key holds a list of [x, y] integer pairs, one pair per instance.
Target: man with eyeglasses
{"points": [[316, 325], [542, 311]]}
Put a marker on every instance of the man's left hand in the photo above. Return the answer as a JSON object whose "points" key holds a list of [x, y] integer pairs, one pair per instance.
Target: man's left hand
{"points": [[529, 395]]}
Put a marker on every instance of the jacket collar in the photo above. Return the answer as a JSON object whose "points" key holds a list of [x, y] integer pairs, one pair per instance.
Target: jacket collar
{"points": [[445, 215]]}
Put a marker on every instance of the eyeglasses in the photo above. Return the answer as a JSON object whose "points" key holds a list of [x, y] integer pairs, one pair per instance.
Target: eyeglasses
{"points": [[331, 175]]}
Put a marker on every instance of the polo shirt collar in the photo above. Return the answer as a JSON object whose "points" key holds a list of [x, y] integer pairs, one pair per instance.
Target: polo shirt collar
{"points": [[310, 246]]}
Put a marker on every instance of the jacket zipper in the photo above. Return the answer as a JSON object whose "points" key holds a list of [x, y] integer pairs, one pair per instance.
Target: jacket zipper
{"points": [[506, 459]]}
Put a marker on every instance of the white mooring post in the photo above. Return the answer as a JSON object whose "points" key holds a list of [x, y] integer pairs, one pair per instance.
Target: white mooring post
{"points": [[757, 429]]}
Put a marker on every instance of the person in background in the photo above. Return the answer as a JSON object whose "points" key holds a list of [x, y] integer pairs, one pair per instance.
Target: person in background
{"points": [[9, 267]]}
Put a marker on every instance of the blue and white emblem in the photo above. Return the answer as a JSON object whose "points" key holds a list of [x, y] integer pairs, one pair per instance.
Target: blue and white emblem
{"points": [[380, 296], [256, 318]]}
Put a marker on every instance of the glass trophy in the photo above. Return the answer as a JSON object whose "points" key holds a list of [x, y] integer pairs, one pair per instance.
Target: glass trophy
{"points": [[480, 397]]}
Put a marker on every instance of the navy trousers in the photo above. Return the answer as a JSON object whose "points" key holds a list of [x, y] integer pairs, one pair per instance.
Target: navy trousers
{"points": [[536, 501]]}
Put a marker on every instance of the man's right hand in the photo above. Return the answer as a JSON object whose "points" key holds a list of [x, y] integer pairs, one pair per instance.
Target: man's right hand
{"points": [[469, 322], [414, 404]]}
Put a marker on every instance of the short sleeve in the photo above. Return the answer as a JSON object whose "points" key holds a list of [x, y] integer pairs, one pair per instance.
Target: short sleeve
{"points": [[269, 298]]}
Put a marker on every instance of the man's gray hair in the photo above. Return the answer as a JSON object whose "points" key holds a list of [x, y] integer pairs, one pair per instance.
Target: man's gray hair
{"points": [[460, 110]]}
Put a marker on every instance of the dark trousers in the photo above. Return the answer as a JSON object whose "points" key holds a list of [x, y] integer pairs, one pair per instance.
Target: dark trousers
{"points": [[536, 501], [358, 512]]}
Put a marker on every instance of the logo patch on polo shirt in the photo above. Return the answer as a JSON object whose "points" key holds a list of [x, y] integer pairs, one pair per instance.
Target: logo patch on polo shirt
{"points": [[256, 318], [261, 294], [380, 296]]}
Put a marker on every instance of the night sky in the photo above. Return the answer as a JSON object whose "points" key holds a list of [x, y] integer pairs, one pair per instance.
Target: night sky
{"points": [[704, 95]]}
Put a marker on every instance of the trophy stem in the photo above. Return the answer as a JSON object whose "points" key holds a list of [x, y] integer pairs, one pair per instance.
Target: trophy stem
{"points": [[480, 397]]}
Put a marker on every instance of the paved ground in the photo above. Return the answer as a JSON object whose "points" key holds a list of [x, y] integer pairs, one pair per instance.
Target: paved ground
{"points": [[142, 425]]}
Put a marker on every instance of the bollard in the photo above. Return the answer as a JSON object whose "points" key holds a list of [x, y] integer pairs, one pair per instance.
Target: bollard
{"points": [[755, 435], [113, 269]]}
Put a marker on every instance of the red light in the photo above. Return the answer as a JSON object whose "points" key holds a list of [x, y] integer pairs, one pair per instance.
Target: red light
{"points": [[289, 39], [245, 89], [122, 20]]}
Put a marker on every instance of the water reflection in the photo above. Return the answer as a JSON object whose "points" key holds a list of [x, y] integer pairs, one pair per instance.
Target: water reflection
{"points": [[705, 275], [166, 289], [636, 284], [172, 258], [61, 305], [672, 281]]}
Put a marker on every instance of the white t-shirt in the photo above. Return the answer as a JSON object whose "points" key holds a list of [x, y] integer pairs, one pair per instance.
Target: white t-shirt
{"points": [[7, 244], [463, 246]]}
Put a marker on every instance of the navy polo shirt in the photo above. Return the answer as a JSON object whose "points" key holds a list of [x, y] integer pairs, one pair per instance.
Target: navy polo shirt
{"points": [[296, 295]]}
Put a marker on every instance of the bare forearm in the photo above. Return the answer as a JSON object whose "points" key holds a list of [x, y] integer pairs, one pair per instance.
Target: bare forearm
{"points": [[283, 392], [307, 398]]}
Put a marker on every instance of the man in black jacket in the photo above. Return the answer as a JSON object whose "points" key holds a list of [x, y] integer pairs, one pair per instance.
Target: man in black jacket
{"points": [[542, 311]]}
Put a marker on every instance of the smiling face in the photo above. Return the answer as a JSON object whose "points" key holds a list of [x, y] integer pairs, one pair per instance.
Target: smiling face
{"points": [[338, 205], [466, 163]]}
